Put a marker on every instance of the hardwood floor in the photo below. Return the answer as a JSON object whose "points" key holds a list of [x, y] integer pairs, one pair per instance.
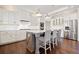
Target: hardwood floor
{"points": [[68, 47], [14, 48]]}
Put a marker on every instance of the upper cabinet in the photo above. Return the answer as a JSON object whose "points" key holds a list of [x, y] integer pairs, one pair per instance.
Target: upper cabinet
{"points": [[47, 25], [7, 17], [57, 21], [10, 18]]}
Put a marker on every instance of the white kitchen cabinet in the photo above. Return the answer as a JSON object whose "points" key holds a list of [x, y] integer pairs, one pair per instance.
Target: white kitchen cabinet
{"points": [[8, 20], [47, 25], [1, 18], [5, 17], [0, 37], [8, 17], [7, 37], [12, 18], [20, 35], [4, 37], [11, 36], [73, 29]]}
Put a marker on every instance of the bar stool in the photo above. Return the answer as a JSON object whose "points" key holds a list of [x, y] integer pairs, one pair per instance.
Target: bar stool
{"points": [[44, 41], [54, 38], [60, 36]]}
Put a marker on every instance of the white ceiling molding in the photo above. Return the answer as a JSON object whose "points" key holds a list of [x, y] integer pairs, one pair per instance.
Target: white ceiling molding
{"points": [[65, 12], [58, 10]]}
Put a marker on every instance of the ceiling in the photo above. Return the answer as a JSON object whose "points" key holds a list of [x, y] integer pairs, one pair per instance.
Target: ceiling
{"points": [[27, 10], [43, 9]]}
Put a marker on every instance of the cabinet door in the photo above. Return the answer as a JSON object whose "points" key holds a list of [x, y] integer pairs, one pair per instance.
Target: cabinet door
{"points": [[11, 36], [1, 20], [5, 17], [21, 35], [16, 35], [73, 29], [4, 37], [12, 18], [8, 17], [47, 25], [7, 37]]}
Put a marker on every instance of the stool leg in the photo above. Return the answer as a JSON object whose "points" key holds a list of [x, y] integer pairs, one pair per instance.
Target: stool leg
{"points": [[37, 47], [50, 45], [45, 49], [56, 41]]}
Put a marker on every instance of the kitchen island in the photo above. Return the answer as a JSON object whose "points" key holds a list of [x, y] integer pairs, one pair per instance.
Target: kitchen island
{"points": [[15, 37]]}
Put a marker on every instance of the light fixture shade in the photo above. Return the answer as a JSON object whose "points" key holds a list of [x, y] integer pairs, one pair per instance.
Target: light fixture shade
{"points": [[39, 14]]}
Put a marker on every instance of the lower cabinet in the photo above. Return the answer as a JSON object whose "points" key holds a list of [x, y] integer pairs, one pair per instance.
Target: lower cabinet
{"points": [[11, 36]]}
